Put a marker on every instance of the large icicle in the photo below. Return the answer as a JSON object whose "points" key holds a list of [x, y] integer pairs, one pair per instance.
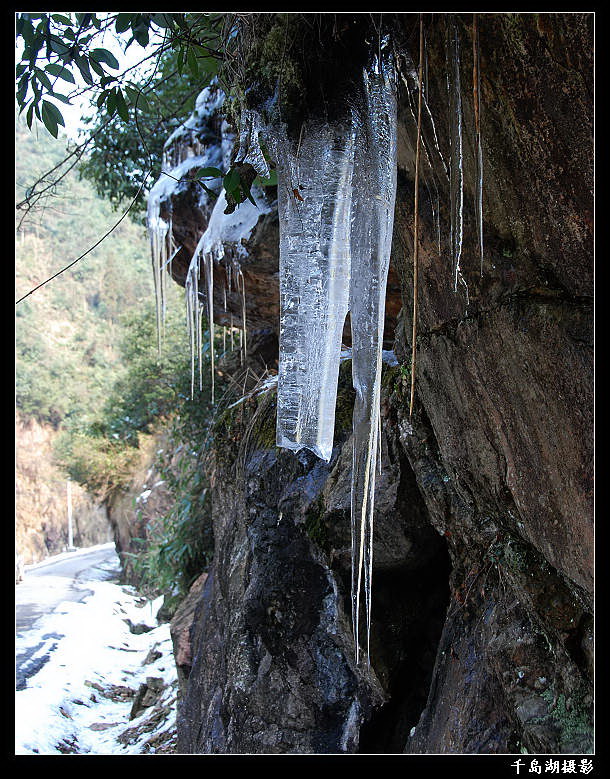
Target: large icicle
{"points": [[336, 193], [314, 203], [374, 188]]}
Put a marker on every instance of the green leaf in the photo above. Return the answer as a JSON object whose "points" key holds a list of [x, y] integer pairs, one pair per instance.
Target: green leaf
{"points": [[97, 68], [103, 55], [271, 181], [44, 79], [63, 98], [83, 66], [48, 120], [121, 105], [122, 22], [58, 70], [210, 172], [26, 32], [141, 36], [247, 194], [209, 65], [54, 111], [111, 103], [61, 19], [21, 93], [57, 45], [231, 181], [192, 62], [163, 20], [30, 115]]}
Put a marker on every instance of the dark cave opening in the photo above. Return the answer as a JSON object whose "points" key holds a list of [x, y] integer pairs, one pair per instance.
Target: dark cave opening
{"points": [[409, 608]]}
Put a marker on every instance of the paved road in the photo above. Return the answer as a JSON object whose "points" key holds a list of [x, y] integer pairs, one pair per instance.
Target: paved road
{"points": [[45, 587]]}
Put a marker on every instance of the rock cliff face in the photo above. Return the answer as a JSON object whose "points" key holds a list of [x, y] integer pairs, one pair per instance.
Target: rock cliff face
{"points": [[483, 563]]}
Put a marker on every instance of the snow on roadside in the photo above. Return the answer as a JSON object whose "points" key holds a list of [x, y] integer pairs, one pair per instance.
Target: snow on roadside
{"points": [[81, 698]]}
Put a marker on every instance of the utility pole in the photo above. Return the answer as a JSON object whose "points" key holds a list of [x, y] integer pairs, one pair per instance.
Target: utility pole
{"points": [[70, 538]]}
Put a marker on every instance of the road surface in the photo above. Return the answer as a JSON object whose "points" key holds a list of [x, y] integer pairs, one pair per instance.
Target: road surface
{"points": [[49, 585]]}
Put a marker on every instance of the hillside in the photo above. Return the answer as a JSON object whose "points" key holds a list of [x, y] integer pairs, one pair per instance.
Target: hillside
{"points": [[66, 336]]}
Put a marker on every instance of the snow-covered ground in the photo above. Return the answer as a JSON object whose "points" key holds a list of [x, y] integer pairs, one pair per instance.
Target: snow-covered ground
{"points": [[82, 666]]}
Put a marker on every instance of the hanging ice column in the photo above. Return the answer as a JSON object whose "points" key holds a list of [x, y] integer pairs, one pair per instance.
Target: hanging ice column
{"points": [[336, 196], [315, 207]]}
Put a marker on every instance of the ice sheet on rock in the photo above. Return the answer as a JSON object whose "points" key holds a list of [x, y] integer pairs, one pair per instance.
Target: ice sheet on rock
{"points": [[225, 232], [249, 143], [315, 208]]}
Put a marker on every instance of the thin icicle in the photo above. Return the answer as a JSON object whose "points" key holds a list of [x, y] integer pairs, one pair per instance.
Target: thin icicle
{"points": [[478, 151], [456, 172], [371, 240], [240, 280], [224, 327], [158, 230], [416, 219], [209, 279], [429, 139], [224, 233]]}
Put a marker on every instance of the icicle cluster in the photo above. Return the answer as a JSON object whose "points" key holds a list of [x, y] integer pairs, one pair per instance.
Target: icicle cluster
{"points": [[223, 235], [182, 153], [336, 195], [163, 250], [432, 157]]}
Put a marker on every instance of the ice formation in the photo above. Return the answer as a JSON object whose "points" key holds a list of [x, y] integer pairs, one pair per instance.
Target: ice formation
{"points": [[183, 154], [432, 156], [315, 207], [456, 173], [249, 143], [223, 236], [478, 150], [336, 195]]}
